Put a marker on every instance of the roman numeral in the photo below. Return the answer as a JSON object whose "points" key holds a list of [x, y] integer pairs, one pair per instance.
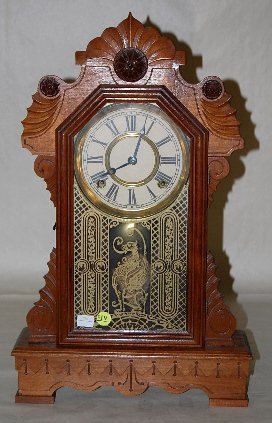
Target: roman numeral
{"points": [[131, 197], [95, 159], [111, 125], [163, 141], [99, 175], [146, 131], [131, 122], [168, 160], [162, 177], [112, 192], [104, 144], [150, 192]]}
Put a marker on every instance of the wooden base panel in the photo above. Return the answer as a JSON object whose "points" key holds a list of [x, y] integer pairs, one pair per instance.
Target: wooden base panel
{"points": [[225, 402], [34, 399], [222, 373]]}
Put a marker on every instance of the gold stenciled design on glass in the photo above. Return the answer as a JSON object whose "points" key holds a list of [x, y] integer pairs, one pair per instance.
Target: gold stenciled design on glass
{"points": [[131, 277], [168, 291], [90, 266], [158, 257], [91, 248]]}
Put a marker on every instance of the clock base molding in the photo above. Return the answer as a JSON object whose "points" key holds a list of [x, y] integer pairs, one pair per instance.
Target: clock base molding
{"points": [[221, 372]]}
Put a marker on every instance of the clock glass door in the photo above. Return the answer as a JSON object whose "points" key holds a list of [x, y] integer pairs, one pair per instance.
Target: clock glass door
{"points": [[131, 202]]}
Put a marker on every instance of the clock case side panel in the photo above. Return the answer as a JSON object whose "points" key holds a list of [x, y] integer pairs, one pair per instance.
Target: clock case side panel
{"points": [[197, 226]]}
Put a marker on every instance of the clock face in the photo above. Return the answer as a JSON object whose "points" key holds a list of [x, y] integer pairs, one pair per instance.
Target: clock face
{"points": [[131, 160]]}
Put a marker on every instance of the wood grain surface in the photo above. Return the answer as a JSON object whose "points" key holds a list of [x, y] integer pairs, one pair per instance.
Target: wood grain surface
{"points": [[133, 63]]}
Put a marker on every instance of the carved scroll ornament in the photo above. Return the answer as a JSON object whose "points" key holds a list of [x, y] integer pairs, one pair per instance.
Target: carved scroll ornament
{"points": [[45, 168], [220, 323], [41, 319]]}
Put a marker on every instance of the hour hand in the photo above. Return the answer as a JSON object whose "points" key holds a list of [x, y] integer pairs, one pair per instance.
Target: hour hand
{"points": [[112, 170], [120, 167], [101, 180]]}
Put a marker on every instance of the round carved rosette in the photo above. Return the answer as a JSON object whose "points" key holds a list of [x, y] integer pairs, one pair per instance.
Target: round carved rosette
{"points": [[49, 86], [130, 64], [212, 89]]}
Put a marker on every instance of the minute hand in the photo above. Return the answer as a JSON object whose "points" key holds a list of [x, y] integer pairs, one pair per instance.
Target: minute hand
{"points": [[142, 133], [138, 144]]}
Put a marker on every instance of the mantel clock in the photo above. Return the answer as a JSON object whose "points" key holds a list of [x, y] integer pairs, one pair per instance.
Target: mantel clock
{"points": [[131, 154]]}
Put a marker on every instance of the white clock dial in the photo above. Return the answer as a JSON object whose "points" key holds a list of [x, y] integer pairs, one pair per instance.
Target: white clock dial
{"points": [[131, 159]]}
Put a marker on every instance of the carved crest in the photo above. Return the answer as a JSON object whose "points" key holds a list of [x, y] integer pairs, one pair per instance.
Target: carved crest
{"points": [[131, 33]]}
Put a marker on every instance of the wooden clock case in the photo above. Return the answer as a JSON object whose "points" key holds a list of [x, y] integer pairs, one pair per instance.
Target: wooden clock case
{"points": [[194, 335], [132, 63]]}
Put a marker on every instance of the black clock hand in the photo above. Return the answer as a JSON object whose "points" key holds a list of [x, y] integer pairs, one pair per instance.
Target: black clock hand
{"points": [[120, 167], [138, 144], [112, 170], [142, 132]]}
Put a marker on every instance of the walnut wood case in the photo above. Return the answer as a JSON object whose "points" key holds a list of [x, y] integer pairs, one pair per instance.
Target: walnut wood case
{"points": [[132, 63]]}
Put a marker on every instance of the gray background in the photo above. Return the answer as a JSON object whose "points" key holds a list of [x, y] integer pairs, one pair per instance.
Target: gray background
{"points": [[227, 38]]}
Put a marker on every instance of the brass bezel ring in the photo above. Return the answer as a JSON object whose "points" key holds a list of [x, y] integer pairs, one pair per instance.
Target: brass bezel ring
{"points": [[122, 181]]}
